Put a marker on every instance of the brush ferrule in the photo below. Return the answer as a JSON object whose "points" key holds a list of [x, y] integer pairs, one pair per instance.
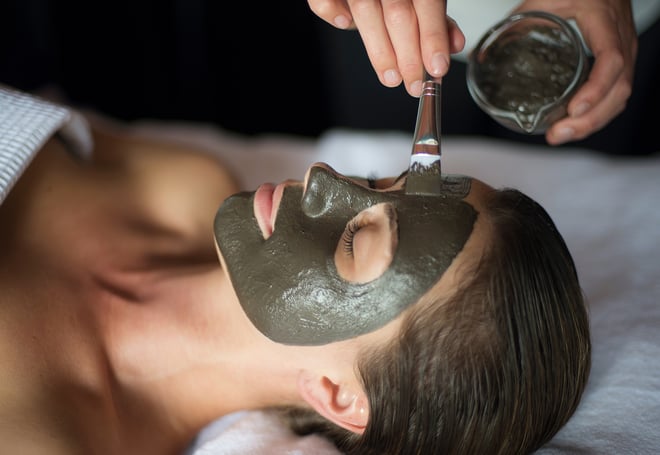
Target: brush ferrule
{"points": [[424, 175]]}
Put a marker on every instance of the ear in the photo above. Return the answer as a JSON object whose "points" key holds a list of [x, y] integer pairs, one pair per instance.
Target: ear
{"points": [[343, 404]]}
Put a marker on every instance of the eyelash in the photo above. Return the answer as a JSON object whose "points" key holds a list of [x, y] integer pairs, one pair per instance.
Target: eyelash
{"points": [[348, 236], [354, 226]]}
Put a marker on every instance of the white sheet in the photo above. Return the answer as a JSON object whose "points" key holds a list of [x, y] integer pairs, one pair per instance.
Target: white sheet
{"points": [[608, 212]]}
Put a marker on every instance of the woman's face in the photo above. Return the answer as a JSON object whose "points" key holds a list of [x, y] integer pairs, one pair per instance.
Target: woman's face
{"points": [[331, 259]]}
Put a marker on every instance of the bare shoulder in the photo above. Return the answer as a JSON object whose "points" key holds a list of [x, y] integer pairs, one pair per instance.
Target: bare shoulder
{"points": [[178, 184], [143, 198], [152, 158]]}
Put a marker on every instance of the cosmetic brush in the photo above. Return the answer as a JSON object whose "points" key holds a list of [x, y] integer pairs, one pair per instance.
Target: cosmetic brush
{"points": [[425, 166]]}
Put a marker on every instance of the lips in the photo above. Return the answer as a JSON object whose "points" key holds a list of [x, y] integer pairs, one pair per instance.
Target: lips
{"points": [[263, 208]]}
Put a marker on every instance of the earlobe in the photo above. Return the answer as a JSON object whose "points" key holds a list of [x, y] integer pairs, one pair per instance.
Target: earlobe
{"points": [[342, 404]]}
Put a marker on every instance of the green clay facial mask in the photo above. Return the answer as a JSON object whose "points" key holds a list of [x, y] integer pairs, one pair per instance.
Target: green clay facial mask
{"points": [[288, 284]]}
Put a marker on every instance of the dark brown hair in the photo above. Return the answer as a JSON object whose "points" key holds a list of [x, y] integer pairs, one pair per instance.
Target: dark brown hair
{"points": [[496, 368]]}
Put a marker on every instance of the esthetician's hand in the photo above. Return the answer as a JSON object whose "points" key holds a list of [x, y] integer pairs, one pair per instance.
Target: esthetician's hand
{"points": [[399, 35], [609, 31]]}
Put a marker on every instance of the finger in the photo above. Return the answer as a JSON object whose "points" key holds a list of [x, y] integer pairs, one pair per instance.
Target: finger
{"points": [[576, 128], [456, 36], [402, 28], [433, 35], [334, 12], [609, 69], [368, 17], [614, 60]]}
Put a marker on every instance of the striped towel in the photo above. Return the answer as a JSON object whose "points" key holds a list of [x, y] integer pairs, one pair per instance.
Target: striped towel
{"points": [[26, 124]]}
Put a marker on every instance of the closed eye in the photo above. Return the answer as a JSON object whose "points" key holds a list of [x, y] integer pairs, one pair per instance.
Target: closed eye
{"points": [[367, 245], [349, 234]]}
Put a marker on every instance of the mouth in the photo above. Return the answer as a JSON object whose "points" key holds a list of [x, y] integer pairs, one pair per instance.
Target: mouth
{"points": [[266, 202]]}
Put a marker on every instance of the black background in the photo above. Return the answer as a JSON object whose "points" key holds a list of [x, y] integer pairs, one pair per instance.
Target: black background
{"points": [[254, 67]]}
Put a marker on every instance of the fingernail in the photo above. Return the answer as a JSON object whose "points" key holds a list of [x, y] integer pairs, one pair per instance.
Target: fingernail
{"points": [[342, 22], [439, 64], [580, 109], [392, 77], [564, 134], [416, 88]]}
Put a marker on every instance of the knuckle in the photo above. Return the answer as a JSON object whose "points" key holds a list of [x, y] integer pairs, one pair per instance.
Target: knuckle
{"points": [[380, 58], [410, 69], [360, 7], [616, 59], [433, 37], [399, 13]]}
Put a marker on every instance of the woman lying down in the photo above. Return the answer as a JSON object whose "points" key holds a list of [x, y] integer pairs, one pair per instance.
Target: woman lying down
{"points": [[143, 298]]}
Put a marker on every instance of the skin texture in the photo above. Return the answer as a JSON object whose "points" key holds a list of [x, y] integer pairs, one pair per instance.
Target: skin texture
{"points": [[120, 331], [400, 35], [290, 283]]}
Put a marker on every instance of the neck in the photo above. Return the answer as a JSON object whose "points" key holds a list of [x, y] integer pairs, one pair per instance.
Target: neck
{"points": [[192, 355]]}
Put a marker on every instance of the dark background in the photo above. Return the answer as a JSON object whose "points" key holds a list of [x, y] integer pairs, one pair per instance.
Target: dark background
{"points": [[254, 67]]}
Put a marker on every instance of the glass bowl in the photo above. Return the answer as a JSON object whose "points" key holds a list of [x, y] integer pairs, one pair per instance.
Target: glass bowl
{"points": [[525, 69]]}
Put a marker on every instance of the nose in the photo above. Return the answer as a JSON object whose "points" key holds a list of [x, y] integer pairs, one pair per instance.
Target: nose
{"points": [[321, 190], [328, 193]]}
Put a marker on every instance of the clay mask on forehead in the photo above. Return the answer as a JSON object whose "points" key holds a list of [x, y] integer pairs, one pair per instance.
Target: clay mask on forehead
{"points": [[288, 285]]}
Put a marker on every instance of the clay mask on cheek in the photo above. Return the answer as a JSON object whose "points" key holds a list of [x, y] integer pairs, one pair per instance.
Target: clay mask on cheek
{"points": [[288, 285]]}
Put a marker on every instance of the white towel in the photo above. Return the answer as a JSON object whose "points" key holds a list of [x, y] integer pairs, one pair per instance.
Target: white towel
{"points": [[608, 212]]}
